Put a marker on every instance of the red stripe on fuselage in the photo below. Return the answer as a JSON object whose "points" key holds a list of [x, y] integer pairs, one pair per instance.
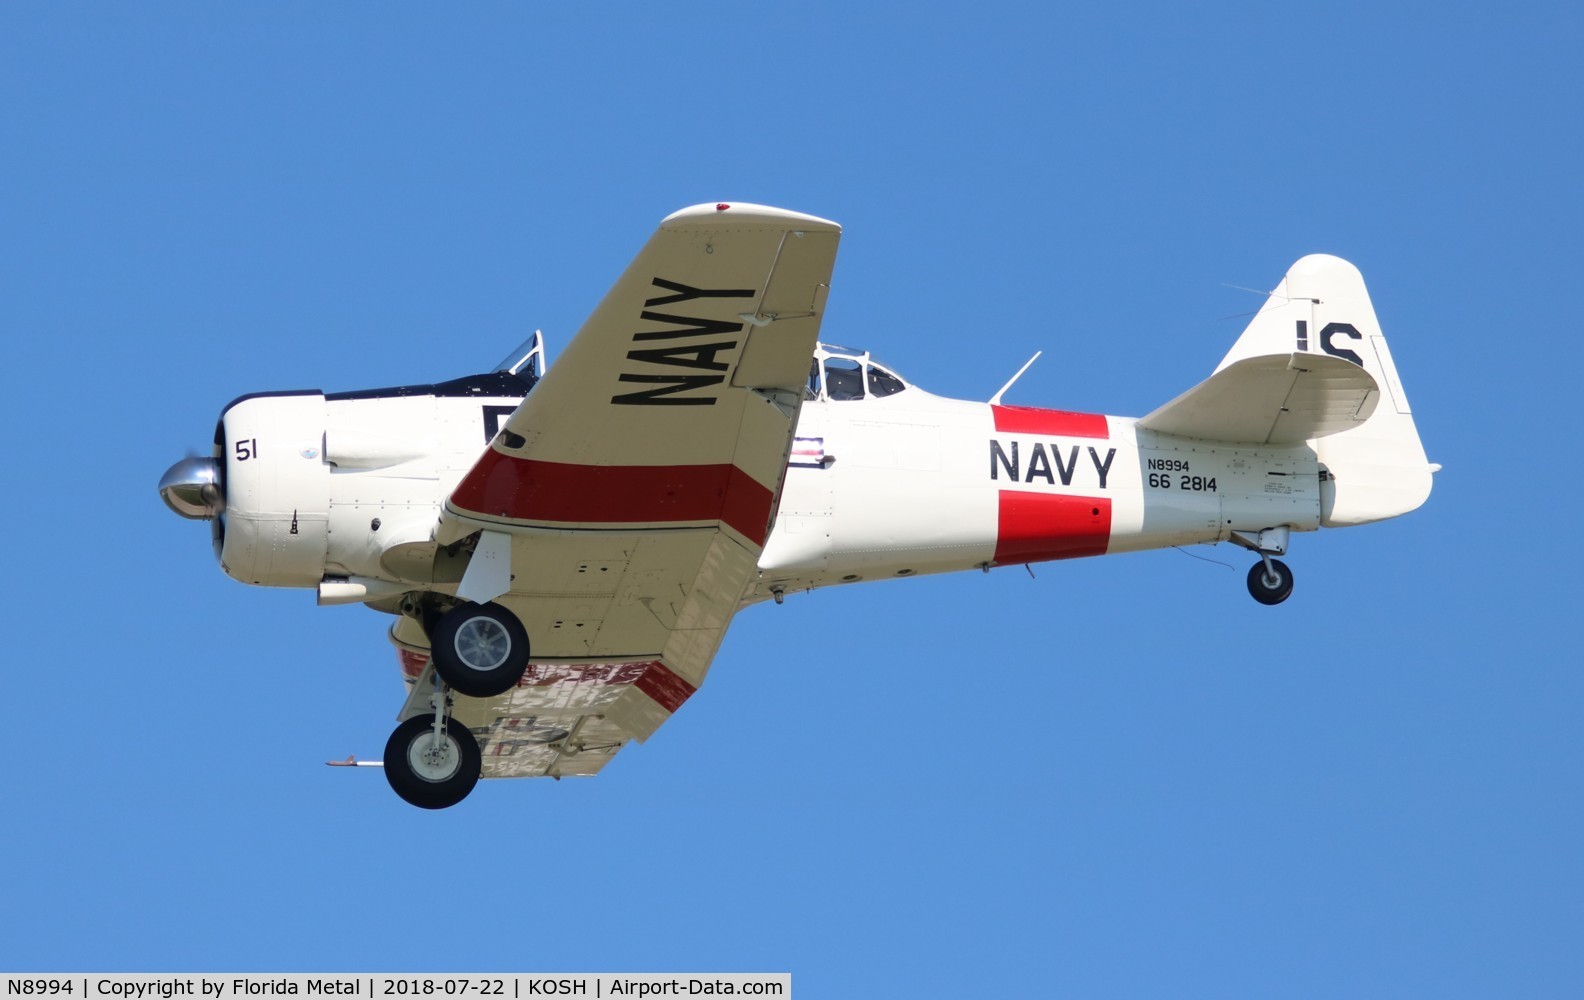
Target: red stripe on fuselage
{"points": [[1057, 423], [1035, 526], [529, 490]]}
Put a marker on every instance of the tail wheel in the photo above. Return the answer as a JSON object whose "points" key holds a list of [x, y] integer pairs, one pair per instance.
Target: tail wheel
{"points": [[432, 774], [480, 650], [1273, 586]]}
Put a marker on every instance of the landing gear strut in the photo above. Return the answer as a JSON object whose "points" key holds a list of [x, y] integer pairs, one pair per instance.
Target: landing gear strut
{"points": [[1269, 580], [432, 761]]}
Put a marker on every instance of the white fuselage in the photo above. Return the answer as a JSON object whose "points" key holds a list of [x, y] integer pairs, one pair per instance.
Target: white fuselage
{"points": [[349, 487], [915, 483]]}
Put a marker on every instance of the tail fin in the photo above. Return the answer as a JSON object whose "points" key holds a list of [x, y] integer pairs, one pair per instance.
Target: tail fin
{"points": [[1378, 468]]}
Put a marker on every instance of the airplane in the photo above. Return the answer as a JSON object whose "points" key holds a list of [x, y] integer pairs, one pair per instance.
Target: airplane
{"points": [[563, 547]]}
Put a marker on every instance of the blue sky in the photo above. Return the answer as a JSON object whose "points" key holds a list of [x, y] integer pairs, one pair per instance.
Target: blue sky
{"points": [[1122, 778]]}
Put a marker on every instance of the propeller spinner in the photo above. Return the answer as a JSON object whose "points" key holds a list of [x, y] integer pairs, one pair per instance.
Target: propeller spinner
{"points": [[194, 488]]}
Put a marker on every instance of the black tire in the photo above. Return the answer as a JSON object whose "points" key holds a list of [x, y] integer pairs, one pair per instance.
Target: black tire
{"points": [[480, 650], [1262, 590], [438, 785]]}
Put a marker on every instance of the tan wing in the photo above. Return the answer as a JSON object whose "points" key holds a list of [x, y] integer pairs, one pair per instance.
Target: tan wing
{"points": [[624, 504], [674, 403]]}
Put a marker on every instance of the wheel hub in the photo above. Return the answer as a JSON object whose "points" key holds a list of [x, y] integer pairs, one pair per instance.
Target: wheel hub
{"points": [[433, 759], [482, 643]]}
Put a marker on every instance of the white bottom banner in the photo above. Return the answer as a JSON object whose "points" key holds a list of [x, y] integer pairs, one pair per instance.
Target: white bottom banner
{"points": [[393, 986]]}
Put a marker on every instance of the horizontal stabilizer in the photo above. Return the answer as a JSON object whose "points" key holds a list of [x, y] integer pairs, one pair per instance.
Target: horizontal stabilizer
{"points": [[1280, 399]]}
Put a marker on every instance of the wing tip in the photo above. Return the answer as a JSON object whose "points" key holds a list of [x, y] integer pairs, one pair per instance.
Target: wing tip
{"points": [[710, 214]]}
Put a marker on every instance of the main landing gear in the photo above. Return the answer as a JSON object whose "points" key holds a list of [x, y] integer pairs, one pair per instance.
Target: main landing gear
{"points": [[1269, 580], [432, 761], [480, 650]]}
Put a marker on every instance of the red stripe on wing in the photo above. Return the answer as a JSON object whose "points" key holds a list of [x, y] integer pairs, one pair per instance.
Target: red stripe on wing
{"points": [[665, 686], [668, 689], [412, 663], [1057, 423], [529, 490], [1036, 526]]}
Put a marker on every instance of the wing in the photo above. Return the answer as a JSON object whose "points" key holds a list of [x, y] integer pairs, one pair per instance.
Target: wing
{"points": [[1273, 399], [672, 405], [621, 509]]}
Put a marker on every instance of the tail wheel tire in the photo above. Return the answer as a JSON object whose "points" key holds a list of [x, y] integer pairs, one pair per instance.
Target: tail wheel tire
{"points": [[480, 650], [428, 775], [1270, 591]]}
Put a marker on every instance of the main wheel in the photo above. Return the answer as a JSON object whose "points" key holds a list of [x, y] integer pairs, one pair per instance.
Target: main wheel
{"points": [[428, 776], [1270, 591], [481, 650]]}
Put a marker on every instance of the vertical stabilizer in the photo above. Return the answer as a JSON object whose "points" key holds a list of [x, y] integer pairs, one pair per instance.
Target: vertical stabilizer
{"points": [[1377, 469]]}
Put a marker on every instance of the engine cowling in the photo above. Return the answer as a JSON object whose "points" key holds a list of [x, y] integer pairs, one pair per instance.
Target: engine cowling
{"points": [[277, 490]]}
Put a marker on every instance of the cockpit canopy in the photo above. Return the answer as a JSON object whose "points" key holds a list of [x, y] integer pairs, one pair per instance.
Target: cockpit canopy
{"points": [[527, 361], [843, 373]]}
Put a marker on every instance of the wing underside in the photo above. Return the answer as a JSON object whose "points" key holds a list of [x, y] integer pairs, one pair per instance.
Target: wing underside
{"points": [[562, 720]]}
